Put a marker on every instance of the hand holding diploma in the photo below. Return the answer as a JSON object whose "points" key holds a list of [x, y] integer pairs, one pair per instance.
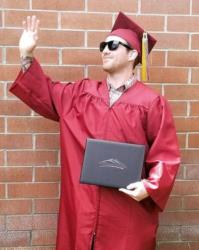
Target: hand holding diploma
{"points": [[136, 191]]}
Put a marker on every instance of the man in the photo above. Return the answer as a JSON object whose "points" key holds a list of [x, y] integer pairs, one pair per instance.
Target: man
{"points": [[119, 108]]}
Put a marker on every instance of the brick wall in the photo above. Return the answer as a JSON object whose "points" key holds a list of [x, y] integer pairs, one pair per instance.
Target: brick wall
{"points": [[29, 145]]}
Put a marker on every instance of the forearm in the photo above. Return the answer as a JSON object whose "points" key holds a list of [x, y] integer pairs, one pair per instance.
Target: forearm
{"points": [[37, 90]]}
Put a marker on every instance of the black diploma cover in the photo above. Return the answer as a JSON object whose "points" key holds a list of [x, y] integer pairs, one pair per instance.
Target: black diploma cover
{"points": [[112, 164]]}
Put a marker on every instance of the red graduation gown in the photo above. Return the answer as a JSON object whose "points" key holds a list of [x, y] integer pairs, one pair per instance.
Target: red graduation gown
{"points": [[139, 116]]}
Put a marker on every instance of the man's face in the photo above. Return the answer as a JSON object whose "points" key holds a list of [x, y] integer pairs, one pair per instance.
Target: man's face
{"points": [[115, 60]]}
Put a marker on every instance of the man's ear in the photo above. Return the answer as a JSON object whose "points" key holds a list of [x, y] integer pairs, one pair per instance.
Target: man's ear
{"points": [[133, 55]]}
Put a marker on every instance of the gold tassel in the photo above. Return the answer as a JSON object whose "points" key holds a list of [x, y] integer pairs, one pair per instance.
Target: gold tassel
{"points": [[144, 57]]}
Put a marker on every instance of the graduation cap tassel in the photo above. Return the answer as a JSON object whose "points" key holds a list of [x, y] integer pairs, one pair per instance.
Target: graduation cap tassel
{"points": [[144, 57]]}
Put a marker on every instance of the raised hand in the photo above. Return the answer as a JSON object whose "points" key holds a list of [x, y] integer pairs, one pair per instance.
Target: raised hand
{"points": [[29, 37]]}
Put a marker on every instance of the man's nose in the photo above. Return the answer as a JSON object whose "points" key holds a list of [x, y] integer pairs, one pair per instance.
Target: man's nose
{"points": [[106, 49]]}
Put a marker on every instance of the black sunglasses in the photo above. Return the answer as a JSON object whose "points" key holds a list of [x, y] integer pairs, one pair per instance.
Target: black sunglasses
{"points": [[112, 45]]}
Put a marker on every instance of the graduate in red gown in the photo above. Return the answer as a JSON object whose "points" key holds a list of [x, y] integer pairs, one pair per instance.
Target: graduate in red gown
{"points": [[118, 108]]}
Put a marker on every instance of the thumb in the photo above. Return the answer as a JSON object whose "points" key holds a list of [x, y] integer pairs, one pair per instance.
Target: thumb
{"points": [[132, 185]]}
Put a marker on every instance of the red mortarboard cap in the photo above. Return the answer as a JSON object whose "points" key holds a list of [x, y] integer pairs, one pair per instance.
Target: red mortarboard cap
{"points": [[125, 28]]}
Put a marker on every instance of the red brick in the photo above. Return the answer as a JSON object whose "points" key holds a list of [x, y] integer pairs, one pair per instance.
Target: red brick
{"points": [[81, 56], [2, 124], [46, 205], [1, 158], [15, 141], [44, 56], [192, 172], [8, 93], [195, 76], [32, 248], [185, 187], [58, 5], [38, 248], [61, 38], [195, 41], [1, 90], [183, 23], [149, 23], [180, 218], [157, 58], [168, 75], [15, 18], [16, 174], [96, 72], [194, 141], [190, 233], [33, 190], [48, 222], [49, 174], [184, 59], [184, 124], [44, 238], [195, 7], [157, 88], [2, 223], [10, 4], [194, 245], [182, 140], [174, 203], [31, 125], [8, 72], [47, 141], [10, 239], [2, 190], [83, 21], [180, 173], [194, 109], [168, 233], [176, 246], [29, 158], [10, 36], [15, 207], [22, 222], [13, 107], [179, 108], [95, 37], [29, 222], [1, 55], [165, 7], [191, 202], [190, 156], [182, 92], [112, 6], [65, 73]]}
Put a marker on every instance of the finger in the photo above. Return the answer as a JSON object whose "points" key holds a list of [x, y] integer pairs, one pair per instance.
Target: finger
{"points": [[28, 23], [125, 191], [132, 194], [24, 25], [33, 23], [35, 37], [36, 29], [132, 185]]}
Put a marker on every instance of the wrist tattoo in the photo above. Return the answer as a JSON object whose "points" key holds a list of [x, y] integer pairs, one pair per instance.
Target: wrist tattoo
{"points": [[26, 62]]}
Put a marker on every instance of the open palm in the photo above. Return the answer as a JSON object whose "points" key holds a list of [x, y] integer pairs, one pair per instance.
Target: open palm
{"points": [[29, 37]]}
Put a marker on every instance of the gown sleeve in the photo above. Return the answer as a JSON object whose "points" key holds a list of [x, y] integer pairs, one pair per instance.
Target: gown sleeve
{"points": [[163, 158], [39, 92]]}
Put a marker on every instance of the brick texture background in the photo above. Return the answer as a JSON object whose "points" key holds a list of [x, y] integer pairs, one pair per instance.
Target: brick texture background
{"points": [[29, 144]]}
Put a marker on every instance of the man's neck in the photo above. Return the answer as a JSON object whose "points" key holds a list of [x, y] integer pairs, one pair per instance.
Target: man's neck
{"points": [[118, 79]]}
